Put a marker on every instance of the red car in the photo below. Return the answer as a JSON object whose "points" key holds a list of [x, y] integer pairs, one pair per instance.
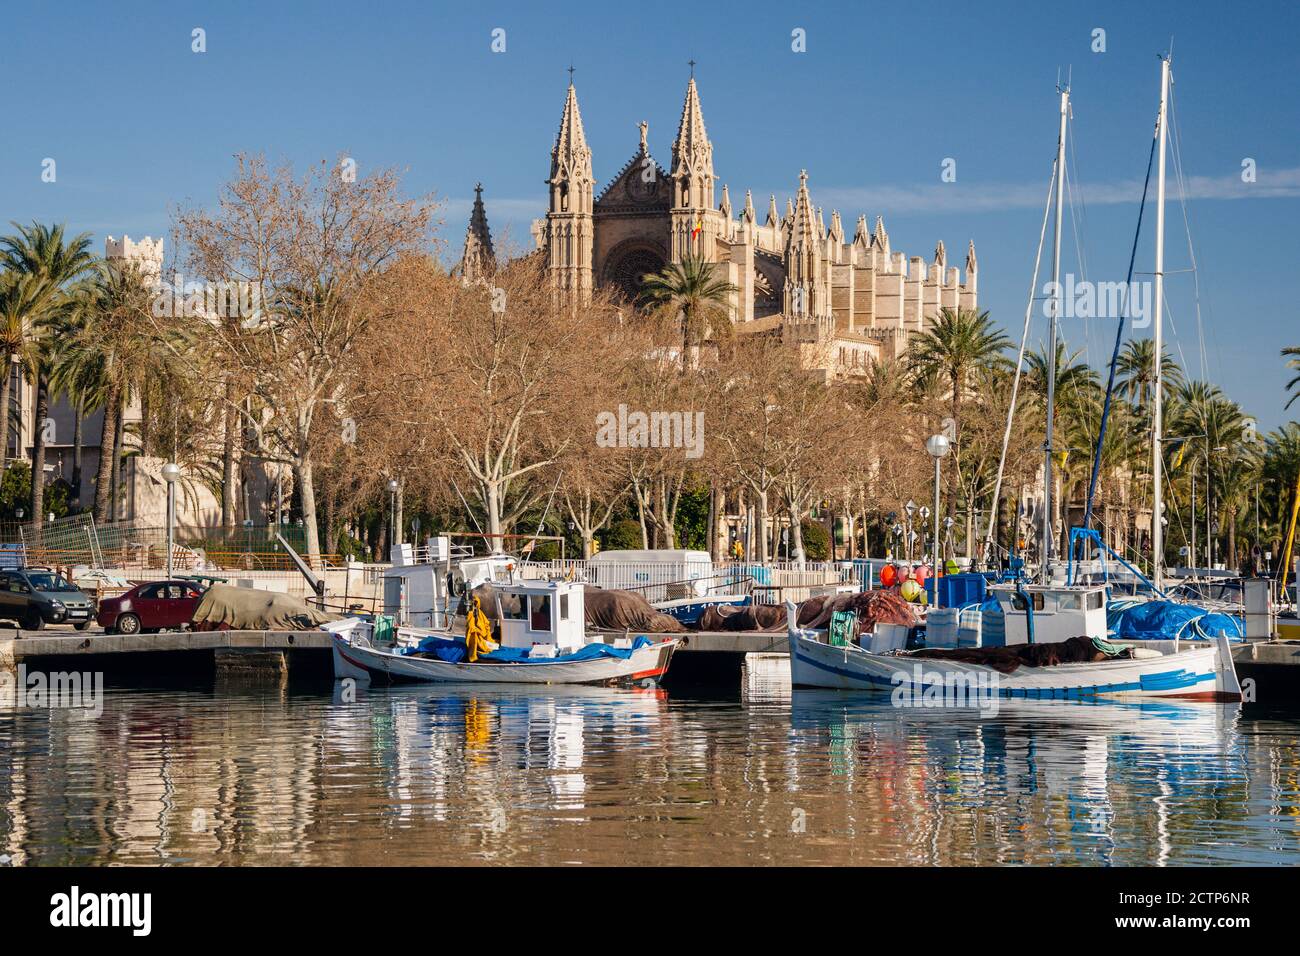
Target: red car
{"points": [[150, 607]]}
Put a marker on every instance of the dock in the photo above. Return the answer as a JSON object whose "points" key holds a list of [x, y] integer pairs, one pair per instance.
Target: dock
{"points": [[711, 658]]}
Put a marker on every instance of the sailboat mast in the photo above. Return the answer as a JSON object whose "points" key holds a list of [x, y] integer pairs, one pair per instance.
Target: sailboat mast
{"points": [[1048, 527], [1157, 413]]}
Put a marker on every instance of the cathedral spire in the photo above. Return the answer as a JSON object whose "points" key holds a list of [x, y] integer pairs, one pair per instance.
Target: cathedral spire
{"points": [[693, 155], [725, 206], [479, 258], [821, 224], [861, 235], [940, 255], [881, 238], [747, 214], [970, 258], [570, 159], [570, 228], [803, 228], [837, 227], [772, 218]]}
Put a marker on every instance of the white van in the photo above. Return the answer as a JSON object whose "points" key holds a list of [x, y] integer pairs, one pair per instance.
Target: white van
{"points": [[659, 575]]}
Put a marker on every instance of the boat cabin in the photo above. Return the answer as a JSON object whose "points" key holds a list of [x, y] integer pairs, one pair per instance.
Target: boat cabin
{"points": [[1060, 611], [549, 613]]}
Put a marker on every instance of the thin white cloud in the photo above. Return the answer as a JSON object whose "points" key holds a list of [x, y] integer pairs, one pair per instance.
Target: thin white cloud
{"points": [[966, 196]]}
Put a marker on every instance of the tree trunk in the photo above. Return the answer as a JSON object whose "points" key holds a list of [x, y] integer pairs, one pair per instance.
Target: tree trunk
{"points": [[78, 440], [228, 457], [713, 522], [107, 440], [6, 387], [119, 440], [302, 473], [763, 551], [37, 500], [1231, 563], [796, 537]]}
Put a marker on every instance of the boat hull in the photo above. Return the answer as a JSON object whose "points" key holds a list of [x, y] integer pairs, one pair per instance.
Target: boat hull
{"points": [[357, 660], [1197, 674]]}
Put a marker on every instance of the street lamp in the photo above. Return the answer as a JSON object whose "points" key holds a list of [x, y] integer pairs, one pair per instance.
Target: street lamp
{"points": [[170, 472], [938, 446], [392, 515], [910, 508]]}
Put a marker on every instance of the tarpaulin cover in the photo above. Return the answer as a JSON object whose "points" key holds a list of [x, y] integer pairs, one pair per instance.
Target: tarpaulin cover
{"points": [[872, 607], [613, 610], [1167, 621], [748, 617], [1005, 660], [228, 608]]}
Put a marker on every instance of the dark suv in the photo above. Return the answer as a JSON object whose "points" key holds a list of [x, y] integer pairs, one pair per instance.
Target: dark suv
{"points": [[35, 597]]}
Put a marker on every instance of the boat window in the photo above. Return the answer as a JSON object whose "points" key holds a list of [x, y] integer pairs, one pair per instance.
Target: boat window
{"points": [[564, 607], [1038, 602], [539, 612], [512, 606], [1095, 600], [1069, 602]]}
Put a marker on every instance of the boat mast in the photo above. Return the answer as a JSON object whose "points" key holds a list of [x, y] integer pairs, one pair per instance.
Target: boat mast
{"points": [[1055, 311], [1157, 421]]}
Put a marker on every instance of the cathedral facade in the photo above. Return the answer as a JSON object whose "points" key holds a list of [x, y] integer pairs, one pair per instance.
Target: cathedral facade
{"points": [[842, 300]]}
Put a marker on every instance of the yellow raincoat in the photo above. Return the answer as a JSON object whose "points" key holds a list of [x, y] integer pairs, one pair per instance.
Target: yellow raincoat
{"points": [[478, 633]]}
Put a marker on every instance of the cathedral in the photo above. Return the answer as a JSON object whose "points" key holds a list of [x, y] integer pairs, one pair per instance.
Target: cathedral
{"points": [[842, 301]]}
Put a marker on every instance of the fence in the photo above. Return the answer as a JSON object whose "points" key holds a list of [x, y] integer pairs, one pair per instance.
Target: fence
{"points": [[769, 583], [80, 540]]}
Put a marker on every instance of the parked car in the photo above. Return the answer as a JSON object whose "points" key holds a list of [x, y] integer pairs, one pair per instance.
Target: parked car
{"points": [[35, 597], [150, 607]]}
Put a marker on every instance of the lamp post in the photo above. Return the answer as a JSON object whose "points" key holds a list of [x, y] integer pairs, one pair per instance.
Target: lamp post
{"points": [[938, 446], [392, 515], [170, 472], [909, 509]]}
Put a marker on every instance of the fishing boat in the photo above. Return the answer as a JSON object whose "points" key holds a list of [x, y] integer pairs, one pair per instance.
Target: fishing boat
{"points": [[543, 640], [1071, 617]]}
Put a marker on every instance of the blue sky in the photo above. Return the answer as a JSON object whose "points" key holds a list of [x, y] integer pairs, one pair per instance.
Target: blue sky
{"points": [[884, 93]]}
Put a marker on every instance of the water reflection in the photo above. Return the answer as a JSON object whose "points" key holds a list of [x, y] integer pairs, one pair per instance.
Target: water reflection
{"points": [[594, 775]]}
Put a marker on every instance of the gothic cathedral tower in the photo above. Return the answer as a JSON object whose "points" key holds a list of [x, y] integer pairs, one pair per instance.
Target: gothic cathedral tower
{"points": [[695, 223], [569, 226]]}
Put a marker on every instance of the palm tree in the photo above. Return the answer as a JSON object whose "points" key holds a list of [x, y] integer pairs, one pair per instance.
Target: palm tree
{"points": [[959, 342], [18, 294], [1135, 372], [106, 350], [54, 263], [695, 294], [1292, 355]]}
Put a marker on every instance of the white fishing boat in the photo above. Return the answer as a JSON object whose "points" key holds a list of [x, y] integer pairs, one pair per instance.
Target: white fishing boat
{"points": [[1037, 615], [543, 640]]}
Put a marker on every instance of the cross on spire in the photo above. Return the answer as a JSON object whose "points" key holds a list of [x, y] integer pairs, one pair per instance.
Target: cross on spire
{"points": [[692, 65], [570, 74]]}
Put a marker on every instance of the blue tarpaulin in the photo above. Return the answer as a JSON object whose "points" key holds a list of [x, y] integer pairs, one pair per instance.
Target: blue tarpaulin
{"points": [[1167, 621], [452, 650]]}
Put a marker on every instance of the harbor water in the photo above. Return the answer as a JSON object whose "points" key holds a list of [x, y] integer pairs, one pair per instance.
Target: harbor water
{"points": [[763, 775]]}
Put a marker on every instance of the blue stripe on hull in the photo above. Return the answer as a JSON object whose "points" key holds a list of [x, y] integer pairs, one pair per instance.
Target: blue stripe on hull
{"points": [[1149, 683]]}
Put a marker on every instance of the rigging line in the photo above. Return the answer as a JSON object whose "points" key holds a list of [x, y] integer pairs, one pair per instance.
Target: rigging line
{"points": [[1079, 225], [1119, 338], [1078, 252], [1020, 364], [1191, 250]]}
